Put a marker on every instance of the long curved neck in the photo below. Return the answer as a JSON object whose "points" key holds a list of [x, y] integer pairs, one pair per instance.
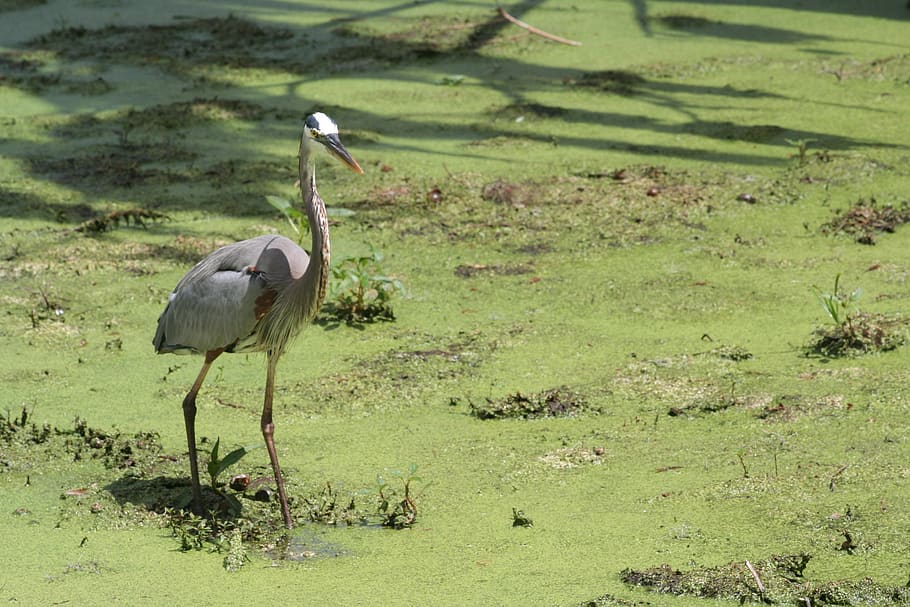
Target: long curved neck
{"points": [[316, 276]]}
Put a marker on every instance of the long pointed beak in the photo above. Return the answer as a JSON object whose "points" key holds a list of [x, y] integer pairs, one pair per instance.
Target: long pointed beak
{"points": [[336, 148]]}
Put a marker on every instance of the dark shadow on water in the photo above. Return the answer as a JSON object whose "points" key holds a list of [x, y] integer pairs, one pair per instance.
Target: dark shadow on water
{"points": [[155, 494], [153, 155], [304, 544], [885, 9]]}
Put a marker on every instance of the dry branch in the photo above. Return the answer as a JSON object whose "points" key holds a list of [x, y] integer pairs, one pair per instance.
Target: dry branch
{"points": [[534, 30]]}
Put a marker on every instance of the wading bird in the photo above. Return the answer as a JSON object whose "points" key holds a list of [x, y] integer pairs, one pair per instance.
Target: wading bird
{"points": [[254, 296]]}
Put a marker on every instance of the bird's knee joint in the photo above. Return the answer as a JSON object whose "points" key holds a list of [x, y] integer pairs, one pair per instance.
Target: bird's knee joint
{"points": [[189, 404]]}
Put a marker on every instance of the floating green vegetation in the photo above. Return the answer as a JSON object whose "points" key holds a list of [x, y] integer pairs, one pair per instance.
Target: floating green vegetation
{"points": [[420, 37], [571, 457], [496, 269], [23, 71], [548, 238], [618, 82], [681, 21], [15, 5]]}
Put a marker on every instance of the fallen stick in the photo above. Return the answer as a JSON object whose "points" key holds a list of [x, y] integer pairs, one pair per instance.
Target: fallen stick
{"points": [[761, 587], [534, 30]]}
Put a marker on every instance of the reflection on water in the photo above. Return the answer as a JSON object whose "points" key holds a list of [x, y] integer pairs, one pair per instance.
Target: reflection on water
{"points": [[304, 544]]}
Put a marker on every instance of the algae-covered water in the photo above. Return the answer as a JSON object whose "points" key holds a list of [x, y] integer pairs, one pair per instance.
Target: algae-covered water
{"points": [[609, 354]]}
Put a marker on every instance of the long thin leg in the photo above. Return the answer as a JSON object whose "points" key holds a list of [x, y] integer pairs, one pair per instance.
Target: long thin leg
{"points": [[189, 419], [268, 433]]}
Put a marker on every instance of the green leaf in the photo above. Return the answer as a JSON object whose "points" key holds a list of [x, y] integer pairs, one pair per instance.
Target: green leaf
{"points": [[231, 458], [282, 204]]}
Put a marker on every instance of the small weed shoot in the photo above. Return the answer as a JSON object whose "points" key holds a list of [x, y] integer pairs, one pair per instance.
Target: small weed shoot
{"points": [[361, 292], [520, 519], [852, 332], [802, 148], [838, 305], [218, 465], [398, 509]]}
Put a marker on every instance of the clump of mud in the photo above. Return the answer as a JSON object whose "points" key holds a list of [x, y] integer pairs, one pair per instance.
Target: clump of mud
{"points": [[556, 402], [777, 580], [788, 407], [472, 270], [571, 457], [867, 218], [21, 438], [112, 220], [861, 333]]}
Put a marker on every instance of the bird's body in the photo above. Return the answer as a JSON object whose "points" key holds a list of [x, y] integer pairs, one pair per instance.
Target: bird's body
{"points": [[254, 296], [226, 301]]}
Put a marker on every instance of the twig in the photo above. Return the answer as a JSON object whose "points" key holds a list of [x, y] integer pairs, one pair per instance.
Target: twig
{"points": [[761, 587], [835, 475], [534, 30]]}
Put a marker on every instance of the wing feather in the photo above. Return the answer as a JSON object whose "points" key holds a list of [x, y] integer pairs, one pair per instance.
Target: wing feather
{"points": [[219, 302]]}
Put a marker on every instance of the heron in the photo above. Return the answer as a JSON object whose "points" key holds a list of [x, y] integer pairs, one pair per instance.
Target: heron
{"points": [[254, 296]]}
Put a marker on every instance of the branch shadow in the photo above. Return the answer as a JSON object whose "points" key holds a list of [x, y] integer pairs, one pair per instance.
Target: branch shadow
{"points": [[159, 156]]}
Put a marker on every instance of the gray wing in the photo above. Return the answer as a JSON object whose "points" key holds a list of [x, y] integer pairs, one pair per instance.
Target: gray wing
{"points": [[219, 303]]}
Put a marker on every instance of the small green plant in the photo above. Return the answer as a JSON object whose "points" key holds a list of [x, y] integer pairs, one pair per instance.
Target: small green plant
{"points": [[361, 292], [218, 465], [196, 532], [802, 148], [520, 519], [852, 331], [192, 531], [839, 305], [398, 510], [741, 456], [297, 219], [324, 508]]}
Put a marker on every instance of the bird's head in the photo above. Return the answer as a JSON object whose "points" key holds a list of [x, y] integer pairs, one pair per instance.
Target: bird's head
{"points": [[322, 130]]}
